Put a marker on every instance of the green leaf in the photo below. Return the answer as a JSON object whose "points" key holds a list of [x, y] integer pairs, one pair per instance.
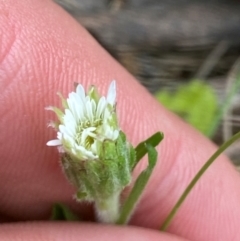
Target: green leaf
{"points": [[62, 212], [196, 102], [139, 186], [141, 149]]}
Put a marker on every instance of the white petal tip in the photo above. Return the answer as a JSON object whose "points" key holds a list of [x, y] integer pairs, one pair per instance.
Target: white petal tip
{"points": [[54, 143], [49, 108], [111, 96], [80, 91]]}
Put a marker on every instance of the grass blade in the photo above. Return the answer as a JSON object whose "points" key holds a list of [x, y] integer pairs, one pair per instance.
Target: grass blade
{"points": [[141, 149], [139, 186], [61, 212], [220, 150]]}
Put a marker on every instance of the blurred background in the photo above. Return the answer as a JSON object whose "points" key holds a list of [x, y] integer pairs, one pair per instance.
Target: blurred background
{"points": [[185, 52]]}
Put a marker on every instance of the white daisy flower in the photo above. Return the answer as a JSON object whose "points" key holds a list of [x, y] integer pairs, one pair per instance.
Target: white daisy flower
{"points": [[86, 122], [95, 155]]}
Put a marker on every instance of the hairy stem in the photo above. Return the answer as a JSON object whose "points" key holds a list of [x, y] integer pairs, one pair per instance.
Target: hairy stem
{"points": [[107, 209]]}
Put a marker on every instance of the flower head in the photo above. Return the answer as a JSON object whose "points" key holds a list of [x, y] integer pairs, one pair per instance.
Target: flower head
{"points": [[86, 122], [95, 155]]}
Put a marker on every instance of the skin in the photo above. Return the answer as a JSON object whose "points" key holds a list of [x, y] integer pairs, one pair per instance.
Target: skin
{"points": [[42, 51]]}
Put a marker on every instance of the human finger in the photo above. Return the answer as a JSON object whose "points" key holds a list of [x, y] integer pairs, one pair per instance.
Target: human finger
{"points": [[73, 231], [44, 51]]}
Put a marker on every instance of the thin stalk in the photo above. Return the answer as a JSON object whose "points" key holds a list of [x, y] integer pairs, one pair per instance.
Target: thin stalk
{"points": [[221, 149]]}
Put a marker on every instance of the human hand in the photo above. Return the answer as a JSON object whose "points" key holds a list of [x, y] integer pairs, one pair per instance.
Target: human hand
{"points": [[42, 51]]}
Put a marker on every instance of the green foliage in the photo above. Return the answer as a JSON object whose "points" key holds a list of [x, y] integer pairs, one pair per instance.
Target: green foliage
{"points": [[61, 212], [195, 180], [145, 147], [142, 150], [196, 102]]}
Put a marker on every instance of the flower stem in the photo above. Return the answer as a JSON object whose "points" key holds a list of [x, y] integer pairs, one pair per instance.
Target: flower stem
{"points": [[108, 209], [173, 212]]}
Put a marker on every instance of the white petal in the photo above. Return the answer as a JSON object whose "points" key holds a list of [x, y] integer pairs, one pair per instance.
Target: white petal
{"points": [[87, 132], [63, 129], [111, 95], [90, 131], [80, 91], [89, 154], [68, 117], [54, 143], [89, 110], [69, 101], [79, 106], [59, 135], [106, 114], [85, 153], [80, 148], [110, 133], [66, 134], [71, 128], [92, 128], [94, 107], [100, 107], [49, 108], [72, 105], [68, 139], [84, 136], [107, 132], [76, 105]]}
